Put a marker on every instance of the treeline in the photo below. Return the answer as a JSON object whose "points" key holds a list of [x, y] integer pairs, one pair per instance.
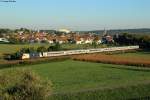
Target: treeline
{"points": [[5, 30], [133, 39]]}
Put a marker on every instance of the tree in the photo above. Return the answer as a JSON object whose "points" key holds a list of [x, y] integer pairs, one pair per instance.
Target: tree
{"points": [[55, 47], [41, 49], [28, 50], [51, 48], [94, 44], [32, 50], [133, 39]]}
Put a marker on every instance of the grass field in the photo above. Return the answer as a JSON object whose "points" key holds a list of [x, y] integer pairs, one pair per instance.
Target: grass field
{"points": [[11, 48], [70, 76]]}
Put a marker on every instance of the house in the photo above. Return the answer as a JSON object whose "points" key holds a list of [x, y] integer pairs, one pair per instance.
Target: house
{"points": [[82, 40], [78, 40], [71, 40], [61, 39], [99, 41], [40, 37], [107, 39], [31, 38], [50, 41], [88, 40]]}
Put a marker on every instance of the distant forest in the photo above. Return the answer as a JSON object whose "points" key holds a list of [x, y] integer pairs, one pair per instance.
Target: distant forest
{"points": [[119, 31]]}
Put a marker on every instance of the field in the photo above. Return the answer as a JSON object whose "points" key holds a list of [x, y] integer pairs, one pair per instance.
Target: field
{"points": [[141, 59], [74, 76], [11, 48], [78, 80], [144, 55]]}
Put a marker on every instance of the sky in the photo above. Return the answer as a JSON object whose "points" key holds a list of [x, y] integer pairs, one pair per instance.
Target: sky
{"points": [[75, 14]]}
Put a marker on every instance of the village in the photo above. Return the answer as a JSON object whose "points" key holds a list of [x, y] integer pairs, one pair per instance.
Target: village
{"points": [[62, 36]]}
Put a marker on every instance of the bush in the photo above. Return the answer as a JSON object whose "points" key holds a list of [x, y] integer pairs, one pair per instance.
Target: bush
{"points": [[23, 85]]}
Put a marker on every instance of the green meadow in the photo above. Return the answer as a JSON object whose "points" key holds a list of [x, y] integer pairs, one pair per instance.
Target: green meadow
{"points": [[75, 76]]}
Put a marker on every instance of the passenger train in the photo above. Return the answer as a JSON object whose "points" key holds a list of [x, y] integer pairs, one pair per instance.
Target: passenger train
{"points": [[74, 52]]}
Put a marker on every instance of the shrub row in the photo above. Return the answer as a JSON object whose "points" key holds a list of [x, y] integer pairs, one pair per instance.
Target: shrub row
{"points": [[15, 63], [135, 92]]}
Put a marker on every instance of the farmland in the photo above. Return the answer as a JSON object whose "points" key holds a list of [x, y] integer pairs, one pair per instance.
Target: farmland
{"points": [[137, 59], [74, 76]]}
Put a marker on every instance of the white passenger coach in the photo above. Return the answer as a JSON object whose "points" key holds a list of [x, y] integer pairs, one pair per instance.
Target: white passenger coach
{"points": [[84, 51]]}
